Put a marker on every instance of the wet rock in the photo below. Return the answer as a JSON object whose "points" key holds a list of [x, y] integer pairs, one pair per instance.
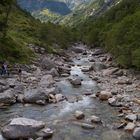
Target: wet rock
{"points": [[19, 89], [91, 60], [2, 138], [85, 125], [34, 95], [3, 82], [98, 66], [114, 102], [45, 133], [136, 133], [98, 52], [95, 119], [105, 95], [65, 75], [131, 117], [85, 69], [130, 127], [59, 97], [41, 102], [78, 49], [46, 81], [20, 98], [79, 115], [47, 64], [75, 81], [123, 80], [63, 70], [54, 72], [22, 128], [110, 71], [8, 97]]}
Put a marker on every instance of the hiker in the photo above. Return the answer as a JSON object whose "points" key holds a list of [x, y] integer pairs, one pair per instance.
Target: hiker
{"points": [[19, 73], [4, 69]]}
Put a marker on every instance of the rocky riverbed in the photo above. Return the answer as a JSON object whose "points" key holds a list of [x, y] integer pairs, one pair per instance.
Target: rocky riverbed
{"points": [[74, 94]]}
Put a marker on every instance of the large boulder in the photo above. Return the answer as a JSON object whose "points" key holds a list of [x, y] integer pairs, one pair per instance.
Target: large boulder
{"points": [[22, 128], [7, 97], [46, 81], [98, 66], [34, 95], [47, 64], [136, 133], [110, 71]]}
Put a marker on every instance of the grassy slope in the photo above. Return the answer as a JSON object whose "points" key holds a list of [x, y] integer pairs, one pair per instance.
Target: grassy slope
{"points": [[23, 29], [118, 30]]}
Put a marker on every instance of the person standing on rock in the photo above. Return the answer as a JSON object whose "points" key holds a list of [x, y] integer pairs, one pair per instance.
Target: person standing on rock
{"points": [[4, 69], [19, 73]]}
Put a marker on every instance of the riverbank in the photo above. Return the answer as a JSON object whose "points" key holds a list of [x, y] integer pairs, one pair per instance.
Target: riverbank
{"points": [[58, 89]]}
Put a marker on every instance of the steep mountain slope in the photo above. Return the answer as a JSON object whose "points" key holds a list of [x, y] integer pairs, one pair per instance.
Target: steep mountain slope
{"points": [[19, 28], [84, 11], [38, 5], [118, 30], [72, 4]]}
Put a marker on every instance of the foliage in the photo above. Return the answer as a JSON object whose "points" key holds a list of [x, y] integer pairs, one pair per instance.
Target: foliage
{"points": [[23, 29], [118, 30]]}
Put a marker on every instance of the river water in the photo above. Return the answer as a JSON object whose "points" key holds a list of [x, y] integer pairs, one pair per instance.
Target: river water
{"points": [[60, 116]]}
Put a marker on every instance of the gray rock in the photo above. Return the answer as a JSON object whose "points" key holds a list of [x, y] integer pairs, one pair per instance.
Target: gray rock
{"points": [[19, 89], [105, 95], [110, 71], [47, 64], [78, 49], [79, 114], [130, 127], [46, 81], [64, 70], [98, 66], [136, 133], [22, 128], [114, 102], [59, 97], [8, 97], [98, 52], [45, 133], [131, 117], [54, 72], [75, 81], [34, 95], [95, 119]]}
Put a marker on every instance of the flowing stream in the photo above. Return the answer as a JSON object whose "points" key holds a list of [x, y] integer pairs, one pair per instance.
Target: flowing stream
{"points": [[60, 116]]}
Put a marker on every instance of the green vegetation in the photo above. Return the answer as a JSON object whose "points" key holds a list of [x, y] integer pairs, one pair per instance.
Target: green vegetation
{"points": [[118, 30], [19, 28]]}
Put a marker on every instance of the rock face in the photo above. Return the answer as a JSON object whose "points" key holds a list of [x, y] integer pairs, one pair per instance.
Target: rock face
{"points": [[136, 133], [7, 97], [22, 128]]}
